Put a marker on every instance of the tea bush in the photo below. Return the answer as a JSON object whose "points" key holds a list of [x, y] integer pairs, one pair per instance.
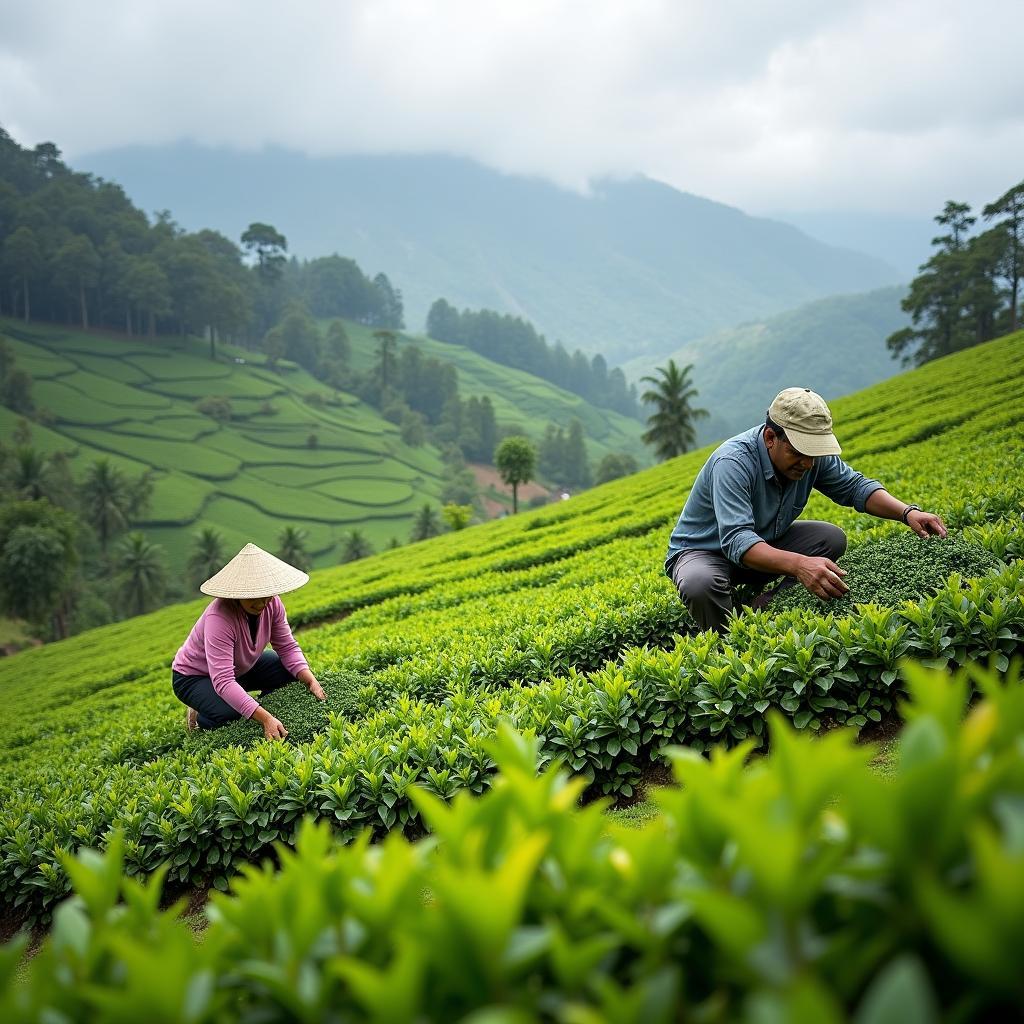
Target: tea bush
{"points": [[894, 569], [801, 887], [304, 714]]}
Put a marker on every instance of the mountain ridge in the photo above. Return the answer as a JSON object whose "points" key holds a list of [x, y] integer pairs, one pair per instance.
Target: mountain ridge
{"points": [[634, 267]]}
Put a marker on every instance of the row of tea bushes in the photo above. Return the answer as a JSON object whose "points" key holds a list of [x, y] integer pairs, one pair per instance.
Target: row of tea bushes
{"points": [[802, 887], [94, 731], [202, 814]]}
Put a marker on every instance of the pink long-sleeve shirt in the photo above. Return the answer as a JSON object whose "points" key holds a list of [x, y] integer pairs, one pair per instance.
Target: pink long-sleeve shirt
{"points": [[220, 646]]}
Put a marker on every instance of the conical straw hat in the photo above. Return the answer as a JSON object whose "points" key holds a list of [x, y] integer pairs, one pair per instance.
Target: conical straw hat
{"points": [[254, 573]]}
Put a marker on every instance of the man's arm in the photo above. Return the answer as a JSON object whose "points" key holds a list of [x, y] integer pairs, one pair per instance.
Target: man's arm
{"points": [[821, 576], [883, 505]]}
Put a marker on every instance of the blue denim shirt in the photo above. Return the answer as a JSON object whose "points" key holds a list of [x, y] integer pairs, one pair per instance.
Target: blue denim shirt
{"points": [[737, 500]]}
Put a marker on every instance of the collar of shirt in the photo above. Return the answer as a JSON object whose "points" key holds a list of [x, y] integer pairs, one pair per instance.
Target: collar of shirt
{"points": [[762, 452]]}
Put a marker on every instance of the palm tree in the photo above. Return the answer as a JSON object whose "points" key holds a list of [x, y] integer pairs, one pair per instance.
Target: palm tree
{"points": [[207, 555], [426, 524], [141, 579], [292, 544], [356, 546], [28, 475], [107, 498], [670, 426]]}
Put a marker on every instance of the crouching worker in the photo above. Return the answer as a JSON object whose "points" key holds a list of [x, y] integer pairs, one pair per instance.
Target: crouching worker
{"points": [[739, 526], [224, 655]]}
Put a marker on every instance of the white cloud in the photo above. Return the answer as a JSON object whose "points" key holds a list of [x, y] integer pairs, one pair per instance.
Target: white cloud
{"points": [[870, 105]]}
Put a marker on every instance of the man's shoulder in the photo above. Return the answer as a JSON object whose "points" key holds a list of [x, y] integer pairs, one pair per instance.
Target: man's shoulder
{"points": [[740, 448]]}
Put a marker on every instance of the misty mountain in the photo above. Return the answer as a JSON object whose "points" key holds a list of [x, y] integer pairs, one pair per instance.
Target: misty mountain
{"points": [[834, 346], [901, 241], [635, 267]]}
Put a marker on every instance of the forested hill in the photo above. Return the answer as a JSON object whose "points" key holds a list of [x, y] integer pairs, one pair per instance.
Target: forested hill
{"points": [[634, 268], [835, 346]]}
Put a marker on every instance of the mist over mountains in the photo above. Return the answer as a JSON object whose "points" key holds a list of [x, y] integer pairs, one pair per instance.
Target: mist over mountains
{"points": [[636, 268]]}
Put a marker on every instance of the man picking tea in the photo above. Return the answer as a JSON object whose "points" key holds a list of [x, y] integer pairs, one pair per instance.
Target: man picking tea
{"points": [[739, 524]]}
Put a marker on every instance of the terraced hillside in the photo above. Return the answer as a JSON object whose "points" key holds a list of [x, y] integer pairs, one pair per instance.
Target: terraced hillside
{"points": [[326, 467], [520, 398], [559, 621], [294, 452]]}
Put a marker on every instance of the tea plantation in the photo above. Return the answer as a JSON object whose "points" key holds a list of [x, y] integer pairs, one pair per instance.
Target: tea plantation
{"points": [[293, 453], [803, 888]]}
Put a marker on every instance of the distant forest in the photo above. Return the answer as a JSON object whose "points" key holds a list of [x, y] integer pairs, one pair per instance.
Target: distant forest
{"points": [[77, 250], [512, 341]]}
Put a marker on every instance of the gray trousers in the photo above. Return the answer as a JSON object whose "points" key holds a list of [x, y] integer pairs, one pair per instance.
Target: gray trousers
{"points": [[705, 579]]}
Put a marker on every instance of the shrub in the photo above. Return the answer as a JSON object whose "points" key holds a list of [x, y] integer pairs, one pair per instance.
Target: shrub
{"points": [[217, 407], [802, 887], [894, 569], [302, 714]]}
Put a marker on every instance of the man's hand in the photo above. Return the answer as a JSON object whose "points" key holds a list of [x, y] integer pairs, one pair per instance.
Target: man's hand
{"points": [[273, 728], [926, 524], [822, 577]]}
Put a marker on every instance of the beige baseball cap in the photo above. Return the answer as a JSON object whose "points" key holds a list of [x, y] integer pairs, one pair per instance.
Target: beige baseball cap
{"points": [[805, 418], [254, 573]]}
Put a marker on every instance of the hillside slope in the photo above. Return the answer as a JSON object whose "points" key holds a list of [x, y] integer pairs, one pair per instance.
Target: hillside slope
{"points": [[801, 885], [519, 399], [559, 621], [294, 453], [636, 267]]}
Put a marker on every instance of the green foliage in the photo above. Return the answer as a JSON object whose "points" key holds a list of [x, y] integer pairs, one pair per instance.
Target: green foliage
{"points": [[208, 556], [957, 301], [38, 555], [303, 715], [291, 547], [141, 578], [894, 569], [559, 621], [670, 427], [615, 465], [516, 460], [426, 525], [356, 546], [457, 517], [801, 887], [217, 407]]}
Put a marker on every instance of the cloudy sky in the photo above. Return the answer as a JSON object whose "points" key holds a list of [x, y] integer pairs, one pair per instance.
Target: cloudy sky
{"points": [[890, 106]]}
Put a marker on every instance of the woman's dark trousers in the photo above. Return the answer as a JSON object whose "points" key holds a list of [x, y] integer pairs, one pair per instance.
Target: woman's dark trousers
{"points": [[267, 675]]}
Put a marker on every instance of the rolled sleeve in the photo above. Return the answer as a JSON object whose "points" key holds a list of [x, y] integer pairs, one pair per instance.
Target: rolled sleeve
{"points": [[731, 495], [219, 643], [843, 484]]}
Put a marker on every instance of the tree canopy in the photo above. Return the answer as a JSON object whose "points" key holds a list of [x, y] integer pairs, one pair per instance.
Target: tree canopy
{"points": [[670, 427], [968, 290], [516, 460]]}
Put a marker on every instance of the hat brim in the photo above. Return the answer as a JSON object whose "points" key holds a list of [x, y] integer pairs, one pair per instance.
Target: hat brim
{"points": [[254, 573], [813, 445]]}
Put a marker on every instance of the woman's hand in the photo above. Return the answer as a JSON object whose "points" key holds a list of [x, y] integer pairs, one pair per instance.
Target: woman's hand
{"points": [[273, 728], [309, 681]]}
